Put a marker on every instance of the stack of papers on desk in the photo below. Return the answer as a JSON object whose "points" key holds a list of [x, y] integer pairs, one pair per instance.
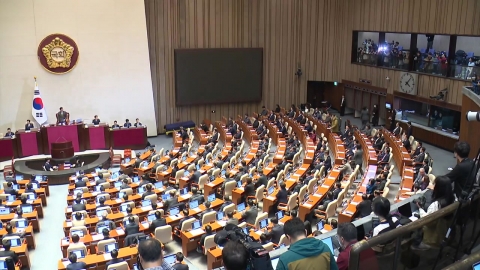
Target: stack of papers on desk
{"points": [[197, 231], [65, 242], [107, 256], [97, 236], [354, 203], [317, 195], [146, 208]]}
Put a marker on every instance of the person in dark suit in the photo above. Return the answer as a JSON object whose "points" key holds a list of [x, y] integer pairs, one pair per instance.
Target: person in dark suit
{"points": [[178, 262], [337, 190], [375, 115], [48, 167], [185, 217], [28, 125], [29, 189], [396, 130], [127, 123], [406, 142], [149, 188], [417, 150], [231, 219], [11, 178], [137, 123], [343, 104], [251, 213], [197, 196], [125, 184], [159, 221], [226, 202], [100, 180], [115, 124], [262, 180], [358, 158], [364, 208], [78, 205], [282, 194], [138, 160], [195, 176], [115, 259], [74, 265], [249, 188], [276, 232], [7, 252], [131, 227], [409, 129], [421, 156], [96, 120], [208, 231], [171, 201], [10, 190], [9, 133], [207, 209], [459, 174]]}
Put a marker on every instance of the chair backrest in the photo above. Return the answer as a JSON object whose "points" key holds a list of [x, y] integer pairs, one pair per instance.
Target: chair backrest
{"points": [[310, 185], [283, 240], [225, 165], [13, 222], [128, 191], [78, 228], [229, 208], [164, 234], [216, 173], [187, 224], [77, 247], [270, 183], [292, 201], [341, 195], [209, 243], [202, 181], [385, 191], [229, 186], [152, 197], [118, 266], [252, 170], [101, 244], [259, 193], [179, 174], [260, 216], [83, 212], [330, 212], [106, 208], [302, 192], [209, 217], [268, 246], [242, 225], [432, 178]]}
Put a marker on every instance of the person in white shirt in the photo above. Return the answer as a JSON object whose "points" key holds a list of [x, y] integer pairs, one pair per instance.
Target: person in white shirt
{"points": [[442, 196], [381, 208], [76, 244]]}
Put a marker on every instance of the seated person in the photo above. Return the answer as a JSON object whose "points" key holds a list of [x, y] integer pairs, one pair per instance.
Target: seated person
{"points": [[185, 217], [159, 221], [10, 190], [264, 239], [78, 221], [115, 259], [127, 123], [276, 232], [137, 123], [131, 227], [30, 189], [79, 204], [337, 190], [106, 234], [76, 242], [178, 262], [101, 202], [6, 252], [198, 196], [347, 237], [96, 120], [250, 214], [9, 133], [28, 125], [149, 188], [364, 208], [207, 209], [100, 179], [74, 265], [381, 208], [48, 167], [208, 232], [115, 124], [226, 202], [231, 219]]}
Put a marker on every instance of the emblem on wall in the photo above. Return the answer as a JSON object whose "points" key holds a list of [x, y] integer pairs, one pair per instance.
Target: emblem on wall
{"points": [[58, 53]]}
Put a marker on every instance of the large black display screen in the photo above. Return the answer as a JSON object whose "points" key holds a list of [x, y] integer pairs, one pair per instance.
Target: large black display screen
{"points": [[214, 76]]}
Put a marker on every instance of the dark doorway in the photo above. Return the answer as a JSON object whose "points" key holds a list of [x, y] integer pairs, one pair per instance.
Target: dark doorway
{"points": [[318, 91]]}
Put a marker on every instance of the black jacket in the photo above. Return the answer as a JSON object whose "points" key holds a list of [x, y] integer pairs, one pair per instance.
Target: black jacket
{"points": [[261, 181], [157, 223], [113, 261], [195, 177], [78, 207], [282, 196], [131, 229], [364, 208], [250, 215], [9, 253], [180, 266], [77, 266], [80, 183], [249, 190], [276, 233], [459, 175]]}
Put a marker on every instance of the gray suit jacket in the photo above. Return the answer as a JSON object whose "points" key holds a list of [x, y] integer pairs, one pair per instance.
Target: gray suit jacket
{"points": [[250, 215], [358, 157]]}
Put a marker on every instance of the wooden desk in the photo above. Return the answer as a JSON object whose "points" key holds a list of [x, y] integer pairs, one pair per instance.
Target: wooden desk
{"points": [[317, 197], [189, 240], [336, 147], [37, 205], [91, 240], [200, 136], [347, 214], [28, 236], [369, 154], [212, 186], [22, 253], [32, 217], [44, 184], [406, 185], [93, 260], [40, 194], [400, 154]]}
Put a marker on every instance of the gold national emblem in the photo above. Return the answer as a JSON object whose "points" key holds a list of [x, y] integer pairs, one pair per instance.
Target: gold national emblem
{"points": [[58, 53]]}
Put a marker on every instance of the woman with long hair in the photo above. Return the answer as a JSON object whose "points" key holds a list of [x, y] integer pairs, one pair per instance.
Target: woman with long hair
{"points": [[442, 197], [381, 208]]}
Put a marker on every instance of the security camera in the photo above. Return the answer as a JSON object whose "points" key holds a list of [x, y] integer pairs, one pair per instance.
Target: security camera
{"points": [[473, 116], [387, 78]]}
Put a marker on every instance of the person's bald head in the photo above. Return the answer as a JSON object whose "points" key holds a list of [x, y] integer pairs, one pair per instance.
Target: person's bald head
{"points": [[422, 171]]}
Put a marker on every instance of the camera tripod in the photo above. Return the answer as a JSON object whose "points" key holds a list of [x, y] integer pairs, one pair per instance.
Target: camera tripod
{"points": [[468, 193]]}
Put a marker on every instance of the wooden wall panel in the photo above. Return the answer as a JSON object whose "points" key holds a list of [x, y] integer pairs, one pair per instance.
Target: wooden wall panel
{"points": [[315, 35]]}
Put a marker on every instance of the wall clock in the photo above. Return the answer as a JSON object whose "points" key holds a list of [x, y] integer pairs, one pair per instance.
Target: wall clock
{"points": [[408, 83]]}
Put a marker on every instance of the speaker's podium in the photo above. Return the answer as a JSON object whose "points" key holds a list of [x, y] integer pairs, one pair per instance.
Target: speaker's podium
{"points": [[62, 151]]}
